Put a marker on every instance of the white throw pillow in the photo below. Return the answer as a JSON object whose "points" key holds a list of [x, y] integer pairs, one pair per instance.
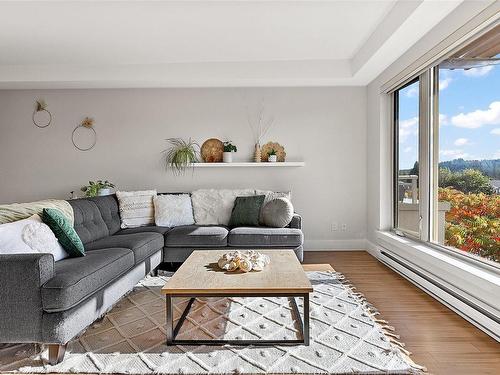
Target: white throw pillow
{"points": [[30, 236], [136, 208], [212, 206], [172, 210]]}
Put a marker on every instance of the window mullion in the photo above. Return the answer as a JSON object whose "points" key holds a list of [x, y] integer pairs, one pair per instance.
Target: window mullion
{"points": [[434, 154], [425, 120]]}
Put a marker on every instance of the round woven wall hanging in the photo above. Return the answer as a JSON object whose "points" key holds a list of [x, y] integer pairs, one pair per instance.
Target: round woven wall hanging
{"points": [[266, 149], [41, 116], [212, 150], [85, 129]]}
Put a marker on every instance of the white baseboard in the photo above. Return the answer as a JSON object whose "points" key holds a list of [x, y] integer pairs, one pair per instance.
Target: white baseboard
{"points": [[372, 249], [334, 245]]}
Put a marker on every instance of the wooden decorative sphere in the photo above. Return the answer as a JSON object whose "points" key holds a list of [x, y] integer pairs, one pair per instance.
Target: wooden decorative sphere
{"points": [[212, 150]]}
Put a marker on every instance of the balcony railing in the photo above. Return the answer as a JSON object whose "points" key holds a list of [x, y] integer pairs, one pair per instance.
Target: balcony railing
{"points": [[408, 208], [411, 186]]}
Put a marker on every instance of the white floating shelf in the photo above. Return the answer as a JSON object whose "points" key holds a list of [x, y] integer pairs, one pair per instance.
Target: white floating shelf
{"points": [[251, 164]]}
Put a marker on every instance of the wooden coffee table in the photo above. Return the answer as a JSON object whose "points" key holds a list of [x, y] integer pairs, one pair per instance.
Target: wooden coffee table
{"points": [[199, 276]]}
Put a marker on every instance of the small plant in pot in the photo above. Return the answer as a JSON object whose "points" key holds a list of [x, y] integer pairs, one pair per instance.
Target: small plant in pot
{"points": [[272, 156], [99, 187], [181, 154], [229, 148]]}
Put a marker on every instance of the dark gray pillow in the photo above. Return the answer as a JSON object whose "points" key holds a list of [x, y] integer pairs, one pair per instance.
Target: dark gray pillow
{"points": [[278, 213], [246, 211]]}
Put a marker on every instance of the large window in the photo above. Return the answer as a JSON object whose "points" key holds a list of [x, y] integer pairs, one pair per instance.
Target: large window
{"points": [[447, 152]]}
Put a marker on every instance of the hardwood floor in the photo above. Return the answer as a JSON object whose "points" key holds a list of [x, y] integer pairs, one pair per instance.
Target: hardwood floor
{"points": [[439, 339]]}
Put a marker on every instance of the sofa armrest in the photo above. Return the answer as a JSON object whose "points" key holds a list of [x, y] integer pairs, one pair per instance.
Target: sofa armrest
{"points": [[296, 222], [21, 277]]}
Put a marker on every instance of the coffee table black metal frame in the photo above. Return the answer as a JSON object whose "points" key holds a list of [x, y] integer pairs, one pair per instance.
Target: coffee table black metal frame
{"points": [[173, 331]]}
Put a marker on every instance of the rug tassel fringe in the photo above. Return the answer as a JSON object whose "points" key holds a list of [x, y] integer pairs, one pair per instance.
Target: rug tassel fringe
{"points": [[418, 367], [405, 351], [392, 335], [398, 343], [387, 329]]}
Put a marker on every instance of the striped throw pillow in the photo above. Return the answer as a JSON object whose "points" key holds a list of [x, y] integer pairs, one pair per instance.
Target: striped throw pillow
{"points": [[136, 208]]}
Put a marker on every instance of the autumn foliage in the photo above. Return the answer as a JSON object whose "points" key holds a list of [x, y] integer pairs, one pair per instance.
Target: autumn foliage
{"points": [[473, 222]]}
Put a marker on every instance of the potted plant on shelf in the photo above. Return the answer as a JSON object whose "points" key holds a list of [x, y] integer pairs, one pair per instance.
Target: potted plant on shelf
{"points": [[99, 187], [181, 154], [272, 156], [229, 148]]}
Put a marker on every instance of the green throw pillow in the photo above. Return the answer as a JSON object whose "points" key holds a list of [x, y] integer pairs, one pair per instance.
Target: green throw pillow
{"points": [[246, 211], [64, 231]]}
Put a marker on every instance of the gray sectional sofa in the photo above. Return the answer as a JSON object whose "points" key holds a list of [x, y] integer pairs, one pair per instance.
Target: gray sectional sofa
{"points": [[51, 302]]}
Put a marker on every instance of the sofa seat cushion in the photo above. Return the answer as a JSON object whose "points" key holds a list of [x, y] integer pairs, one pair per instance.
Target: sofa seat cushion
{"points": [[265, 237], [143, 245], [147, 229], [76, 279], [197, 236]]}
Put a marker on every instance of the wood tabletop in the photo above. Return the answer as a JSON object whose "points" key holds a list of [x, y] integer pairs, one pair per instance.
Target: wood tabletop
{"points": [[200, 275]]}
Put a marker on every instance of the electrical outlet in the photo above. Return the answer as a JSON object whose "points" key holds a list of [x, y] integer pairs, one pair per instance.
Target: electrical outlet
{"points": [[335, 227], [344, 227]]}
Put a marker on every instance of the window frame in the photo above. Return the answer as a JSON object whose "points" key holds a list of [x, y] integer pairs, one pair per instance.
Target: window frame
{"points": [[428, 158], [395, 157]]}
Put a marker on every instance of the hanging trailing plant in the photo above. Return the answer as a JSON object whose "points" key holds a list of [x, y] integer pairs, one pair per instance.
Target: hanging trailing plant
{"points": [[181, 154]]}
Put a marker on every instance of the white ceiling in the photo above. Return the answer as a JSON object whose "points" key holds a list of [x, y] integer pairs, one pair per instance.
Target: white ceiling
{"points": [[206, 43]]}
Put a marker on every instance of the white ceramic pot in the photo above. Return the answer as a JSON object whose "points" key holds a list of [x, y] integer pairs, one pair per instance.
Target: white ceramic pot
{"points": [[227, 157], [272, 158], [105, 191]]}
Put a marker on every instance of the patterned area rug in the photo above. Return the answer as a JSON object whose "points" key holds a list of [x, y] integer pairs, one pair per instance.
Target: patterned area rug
{"points": [[346, 337]]}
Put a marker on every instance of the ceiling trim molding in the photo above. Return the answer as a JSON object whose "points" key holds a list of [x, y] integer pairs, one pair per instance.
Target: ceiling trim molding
{"points": [[222, 74], [404, 25], [399, 13]]}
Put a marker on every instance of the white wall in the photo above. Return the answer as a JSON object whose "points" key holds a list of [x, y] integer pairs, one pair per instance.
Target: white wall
{"points": [[326, 127]]}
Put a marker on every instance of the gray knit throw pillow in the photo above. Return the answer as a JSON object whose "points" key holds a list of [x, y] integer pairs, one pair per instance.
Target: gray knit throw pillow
{"points": [[278, 213]]}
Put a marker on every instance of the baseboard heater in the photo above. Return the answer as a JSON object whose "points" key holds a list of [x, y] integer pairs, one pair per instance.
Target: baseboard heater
{"points": [[449, 291]]}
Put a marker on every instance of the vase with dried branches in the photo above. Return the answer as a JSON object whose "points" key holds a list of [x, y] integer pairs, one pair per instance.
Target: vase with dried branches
{"points": [[260, 124]]}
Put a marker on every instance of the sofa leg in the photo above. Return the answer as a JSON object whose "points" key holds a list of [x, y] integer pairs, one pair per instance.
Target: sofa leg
{"points": [[56, 353]]}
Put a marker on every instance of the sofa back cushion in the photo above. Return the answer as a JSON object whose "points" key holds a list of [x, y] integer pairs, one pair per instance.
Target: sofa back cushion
{"points": [[108, 207], [89, 223]]}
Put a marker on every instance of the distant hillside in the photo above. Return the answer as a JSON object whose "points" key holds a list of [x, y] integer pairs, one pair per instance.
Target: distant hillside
{"points": [[490, 168]]}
